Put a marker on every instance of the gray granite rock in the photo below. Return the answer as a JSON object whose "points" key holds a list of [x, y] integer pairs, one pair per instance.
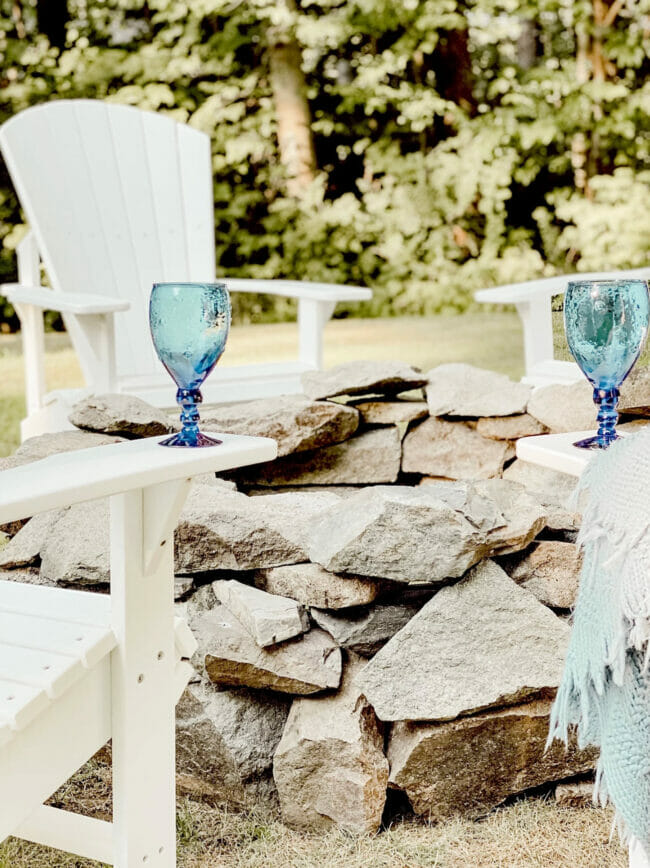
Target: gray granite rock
{"points": [[524, 516], [553, 489], [35, 448], [462, 390], [24, 549], [635, 392], [293, 421], [120, 414], [564, 407], [269, 618], [223, 530], [501, 644], [470, 765], [362, 378], [420, 534], [575, 794], [230, 657], [550, 570], [453, 450], [76, 550], [366, 631], [225, 741], [509, 427], [311, 585], [330, 768], [387, 412], [369, 459]]}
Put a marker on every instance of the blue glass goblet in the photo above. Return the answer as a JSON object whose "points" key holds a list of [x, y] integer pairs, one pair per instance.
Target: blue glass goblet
{"points": [[189, 325], [606, 323]]}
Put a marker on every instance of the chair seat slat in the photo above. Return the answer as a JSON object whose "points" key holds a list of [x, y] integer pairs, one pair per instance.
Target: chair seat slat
{"points": [[88, 643], [52, 672], [20, 703], [79, 607]]}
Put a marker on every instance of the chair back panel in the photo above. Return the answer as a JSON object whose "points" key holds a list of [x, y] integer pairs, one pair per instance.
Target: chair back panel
{"points": [[118, 199]]}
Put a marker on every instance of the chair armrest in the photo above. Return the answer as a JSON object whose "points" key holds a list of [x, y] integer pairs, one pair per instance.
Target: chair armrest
{"points": [[64, 302], [331, 292], [516, 293]]}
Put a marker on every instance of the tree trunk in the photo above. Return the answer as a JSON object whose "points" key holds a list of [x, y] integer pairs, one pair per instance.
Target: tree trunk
{"points": [[453, 68], [52, 17], [293, 114]]}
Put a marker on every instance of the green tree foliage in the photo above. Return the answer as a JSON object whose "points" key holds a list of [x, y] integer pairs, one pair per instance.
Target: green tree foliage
{"points": [[458, 143]]}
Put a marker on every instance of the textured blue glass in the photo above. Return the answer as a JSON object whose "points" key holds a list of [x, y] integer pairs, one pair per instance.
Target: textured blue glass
{"points": [[606, 323], [189, 327]]}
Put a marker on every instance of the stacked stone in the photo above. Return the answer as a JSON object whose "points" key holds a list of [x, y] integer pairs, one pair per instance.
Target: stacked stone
{"points": [[383, 607]]}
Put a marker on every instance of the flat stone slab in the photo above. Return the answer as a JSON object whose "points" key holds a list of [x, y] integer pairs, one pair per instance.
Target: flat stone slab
{"points": [[330, 768], [422, 534], [553, 489], [635, 392], [471, 765], [550, 570], [269, 619], [231, 657], [362, 378], [226, 530], [563, 407], [501, 644], [387, 412], [76, 550], [462, 390], [575, 794], [312, 585], [121, 414], [509, 427], [225, 741], [371, 458], [367, 631], [453, 450], [293, 421], [524, 516], [24, 549]]}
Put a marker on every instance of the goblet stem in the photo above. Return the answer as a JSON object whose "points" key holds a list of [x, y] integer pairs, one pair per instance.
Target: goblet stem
{"points": [[190, 434], [607, 401]]}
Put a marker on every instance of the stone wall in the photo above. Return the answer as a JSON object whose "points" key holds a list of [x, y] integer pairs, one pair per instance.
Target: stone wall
{"points": [[383, 607]]}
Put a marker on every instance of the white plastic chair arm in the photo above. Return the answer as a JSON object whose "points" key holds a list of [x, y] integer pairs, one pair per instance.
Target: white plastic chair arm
{"points": [[516, 293], [331, 292], [65, 302]]}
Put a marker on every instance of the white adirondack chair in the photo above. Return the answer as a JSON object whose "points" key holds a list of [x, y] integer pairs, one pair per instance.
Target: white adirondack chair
{"points": [[533, 302], [78, 668], [118, 199]]}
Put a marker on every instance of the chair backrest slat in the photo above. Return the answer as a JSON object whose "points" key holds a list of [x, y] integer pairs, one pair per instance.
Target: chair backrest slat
{"points": [[118, 199]]}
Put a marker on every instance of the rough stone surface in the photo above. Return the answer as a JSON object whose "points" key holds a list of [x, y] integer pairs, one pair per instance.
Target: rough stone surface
{"points": [[120, 414], [470, 765], [501, 644], [417, 534], [635, 392], [462, 390], [524, 516], [35, 448], [24, 549], [76, 550], [564, 407], [453, 450], [26, 575], [232, 658], [550, 570], [369, 459], [575, 794], [553, 490], [365, 632], [509, 427], [362, 378], [223, 530], [391, 412], [330, 768], [311, 585], [293, 421], [225, 741], [269, 619]]}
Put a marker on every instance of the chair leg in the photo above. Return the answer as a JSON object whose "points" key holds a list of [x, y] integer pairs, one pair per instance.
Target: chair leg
{"points": [[143, 689]]}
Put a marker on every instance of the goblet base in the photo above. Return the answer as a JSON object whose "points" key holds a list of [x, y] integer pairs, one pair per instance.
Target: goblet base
{"points": [[190, 439], [596, 442]]}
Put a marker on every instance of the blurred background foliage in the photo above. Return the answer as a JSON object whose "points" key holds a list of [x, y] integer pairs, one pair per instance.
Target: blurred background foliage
{"points": [[424, 148]]}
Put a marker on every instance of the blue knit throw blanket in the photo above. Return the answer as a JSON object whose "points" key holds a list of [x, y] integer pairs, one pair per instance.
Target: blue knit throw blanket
{"points": [[605, 689]]}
